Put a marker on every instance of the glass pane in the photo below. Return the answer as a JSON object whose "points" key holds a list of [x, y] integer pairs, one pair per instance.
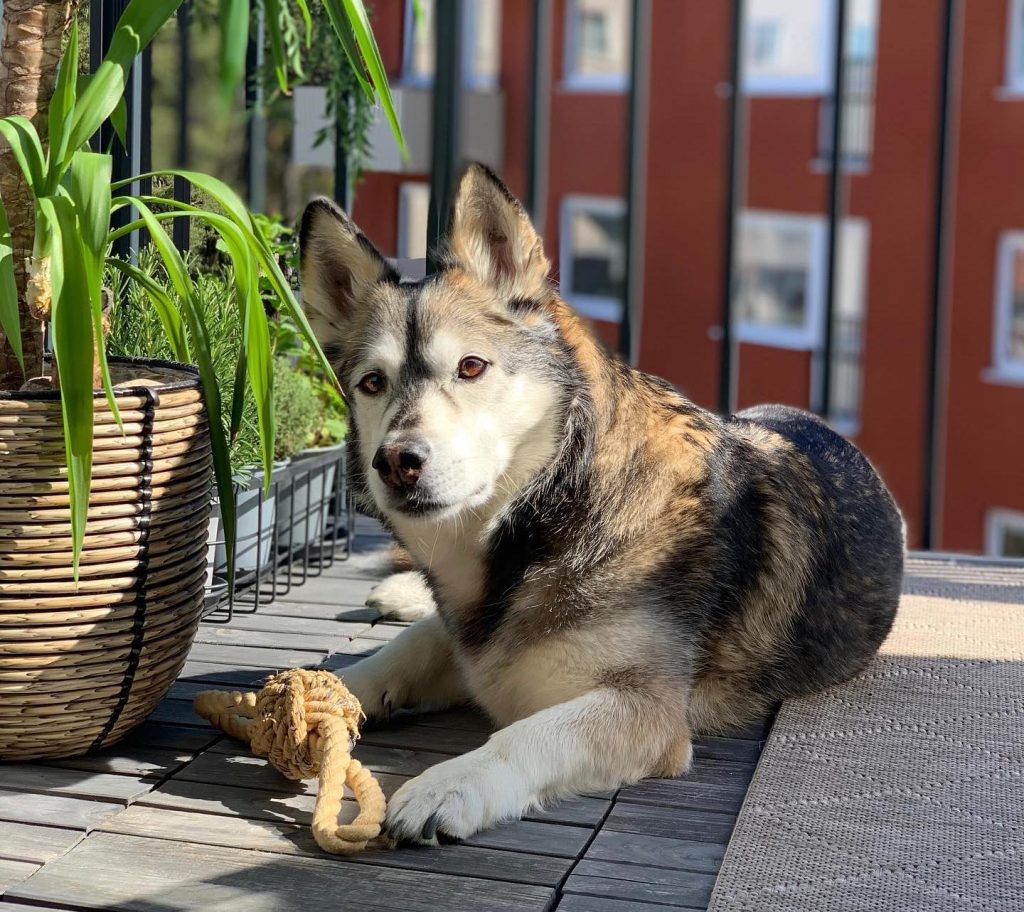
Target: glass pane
{"points": [[598, 254], [786, 42], [413, 208], [599, 39], [774, 272], [1015, 333], [419, 63], [484, 35], [1013, 541]]}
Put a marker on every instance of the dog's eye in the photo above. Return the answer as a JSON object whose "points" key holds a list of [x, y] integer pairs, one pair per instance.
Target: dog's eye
{"points": [[372, 383], [471, 367]]}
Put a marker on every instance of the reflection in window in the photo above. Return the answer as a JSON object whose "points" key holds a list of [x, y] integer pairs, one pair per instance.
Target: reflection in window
{"points": [[598, 34], [1008, 337], [481, 50], [593, 256], [1004, 533]]}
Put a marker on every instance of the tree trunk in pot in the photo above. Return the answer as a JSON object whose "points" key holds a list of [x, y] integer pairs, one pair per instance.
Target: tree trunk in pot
{"points": [[32, 36]]}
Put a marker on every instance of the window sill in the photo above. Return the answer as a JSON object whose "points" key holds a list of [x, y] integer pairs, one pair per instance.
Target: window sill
{"points": [[1008, 93], [587, 86], [849, 165], [773, 338], [1003, 376], [607, 310]]}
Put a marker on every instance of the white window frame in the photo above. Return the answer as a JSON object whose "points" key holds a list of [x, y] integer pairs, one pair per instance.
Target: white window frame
{"points": [[471, 79], [808, 336], [997, 521], [799, 86], [575, 81], [402, 251], [1003, 366], [596, 307], [1013, 82]]}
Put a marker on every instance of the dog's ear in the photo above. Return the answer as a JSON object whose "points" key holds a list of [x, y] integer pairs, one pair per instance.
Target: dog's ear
{"points": [[491, 236], [338, 267]]}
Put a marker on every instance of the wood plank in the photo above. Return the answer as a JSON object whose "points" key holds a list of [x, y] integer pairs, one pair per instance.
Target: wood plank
{"points": [[37, 844], [289, 839], [409, 734], [129, 760], [255, 657], [736, 749], [174, 876], [178, 712], [575, 902], [641, 883], [581, 811], [637, 848], [270, 639], [326, 590], [169, 737], [292, 606], [79, 783], [326, 627], [684, 793], [384, 632], [360, 646], [686, 823], [54, 810], [13, 872], [229, 676]]}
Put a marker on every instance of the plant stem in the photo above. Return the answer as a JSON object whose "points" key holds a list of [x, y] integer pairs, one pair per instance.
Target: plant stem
{"points": [[33, 32]]}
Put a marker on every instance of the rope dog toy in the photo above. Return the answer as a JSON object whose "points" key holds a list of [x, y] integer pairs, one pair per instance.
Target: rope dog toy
{"points": [[306, 723]]}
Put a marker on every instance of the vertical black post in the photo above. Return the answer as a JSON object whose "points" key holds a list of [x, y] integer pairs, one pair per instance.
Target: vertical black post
{"points": [[835, 206], [127, 156], [256, 124], [735, 139], [937, 376], [146, 130], [342, 178], [182, 190], [636, 181], [539, 118], [448, 21]]}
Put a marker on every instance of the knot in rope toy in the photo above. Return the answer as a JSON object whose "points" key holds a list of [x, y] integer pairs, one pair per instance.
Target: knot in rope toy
{"points": [[306, 723]]}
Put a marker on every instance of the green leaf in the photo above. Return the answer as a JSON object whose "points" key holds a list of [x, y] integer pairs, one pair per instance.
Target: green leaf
{"points": [[135, 30], [62, 108], [89, 187], [73, 350], [28, 150], [119, 121], [234, 42], [165, 308], [359, 22], [201, 346], [343, 31], [307, 20], [10, 320], [277, 51]]}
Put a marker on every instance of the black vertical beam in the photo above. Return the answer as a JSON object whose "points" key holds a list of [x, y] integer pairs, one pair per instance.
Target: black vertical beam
{"points": [[636, 180], [937, 376], [539, 117], [448, 21], [342, 178], [835, 206], [146, 130], [182, 190], [256, 124], [735, 140]]}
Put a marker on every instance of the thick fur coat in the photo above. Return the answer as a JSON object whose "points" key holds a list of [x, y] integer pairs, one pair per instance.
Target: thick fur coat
{"points": [[602, 565]]}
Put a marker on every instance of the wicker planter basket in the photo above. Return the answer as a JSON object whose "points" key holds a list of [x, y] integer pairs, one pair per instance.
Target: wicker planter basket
{"points": [[80, 666]]}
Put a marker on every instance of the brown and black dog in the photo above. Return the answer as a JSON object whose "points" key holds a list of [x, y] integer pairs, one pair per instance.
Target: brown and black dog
{"points": [[613, 567]]}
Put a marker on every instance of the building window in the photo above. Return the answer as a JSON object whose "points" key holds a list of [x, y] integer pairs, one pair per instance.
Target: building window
{"points": [[597, 44], [846, 386], [1008, 335], [481, 50], [592, 255], [413, 206], [1015, 46], [780, 279], [1004, 533], [788, 47]]}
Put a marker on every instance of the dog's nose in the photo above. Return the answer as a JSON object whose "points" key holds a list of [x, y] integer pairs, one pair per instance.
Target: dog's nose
{"points": [[401, 464]]}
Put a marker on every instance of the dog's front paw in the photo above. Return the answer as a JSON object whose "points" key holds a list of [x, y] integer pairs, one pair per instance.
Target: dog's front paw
{"points": [[402, 597], [455, 799], [373, 694]]}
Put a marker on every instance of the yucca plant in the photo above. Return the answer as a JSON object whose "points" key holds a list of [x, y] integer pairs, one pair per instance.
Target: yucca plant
{"points": [[74, 200]]}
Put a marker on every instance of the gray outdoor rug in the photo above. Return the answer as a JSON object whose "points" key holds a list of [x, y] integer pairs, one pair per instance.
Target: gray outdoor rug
{"points": [[900, 790]]}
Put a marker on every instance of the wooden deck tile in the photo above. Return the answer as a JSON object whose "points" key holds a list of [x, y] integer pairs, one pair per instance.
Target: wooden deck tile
{"points": [[172, 876], [36, 844], [642, 883], [54, 810], [13, 872]]}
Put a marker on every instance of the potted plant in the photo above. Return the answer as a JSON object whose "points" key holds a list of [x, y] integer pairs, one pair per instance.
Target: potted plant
{"points": [[104, 463]]}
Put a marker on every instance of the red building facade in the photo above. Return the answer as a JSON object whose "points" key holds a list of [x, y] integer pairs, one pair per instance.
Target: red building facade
{"points": [[887, 264]]}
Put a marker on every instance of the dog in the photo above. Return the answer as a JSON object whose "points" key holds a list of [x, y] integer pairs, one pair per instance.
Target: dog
{"points": [[613, 567]]}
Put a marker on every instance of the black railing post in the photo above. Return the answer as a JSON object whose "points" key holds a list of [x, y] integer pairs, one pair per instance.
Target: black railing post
{"points": [[734, 180], [539, 120], [636, 181], [182, 190], [256, 124], [342, 178], [448, 22], [835, 207], [937, 376]]}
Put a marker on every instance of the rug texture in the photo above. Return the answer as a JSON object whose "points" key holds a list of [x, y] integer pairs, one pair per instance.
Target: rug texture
{"points": [[902, 789]]}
